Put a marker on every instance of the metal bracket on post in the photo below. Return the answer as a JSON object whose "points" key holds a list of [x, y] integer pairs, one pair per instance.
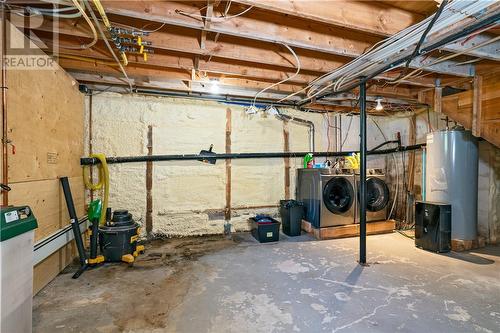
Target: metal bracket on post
{"points": [[362, 172]]}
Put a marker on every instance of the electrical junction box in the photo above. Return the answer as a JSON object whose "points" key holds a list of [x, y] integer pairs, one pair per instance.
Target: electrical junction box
{"points": [[17, 235]]}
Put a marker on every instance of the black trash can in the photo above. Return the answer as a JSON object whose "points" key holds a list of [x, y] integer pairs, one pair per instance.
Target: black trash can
{"points": [[292, 213]]}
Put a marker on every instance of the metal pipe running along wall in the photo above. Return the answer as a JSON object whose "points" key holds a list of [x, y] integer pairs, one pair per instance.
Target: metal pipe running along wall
{"points": [[200, 157]]}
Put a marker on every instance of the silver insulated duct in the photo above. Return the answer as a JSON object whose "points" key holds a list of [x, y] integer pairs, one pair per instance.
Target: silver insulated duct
{"points": [[452, 163]]}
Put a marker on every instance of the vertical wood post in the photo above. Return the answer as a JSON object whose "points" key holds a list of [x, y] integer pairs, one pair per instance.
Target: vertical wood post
{"points": [[91, 148], [286, 149], [149, 184], [438, 98], [227, 211], [476, 105]]}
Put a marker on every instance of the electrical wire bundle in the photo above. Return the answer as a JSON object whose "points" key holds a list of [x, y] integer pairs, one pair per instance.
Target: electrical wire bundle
{"points": [[398, 50], [225, 15]]}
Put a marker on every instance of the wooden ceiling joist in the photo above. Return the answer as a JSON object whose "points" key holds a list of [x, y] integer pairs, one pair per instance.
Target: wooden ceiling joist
{"points": [[270, 28], [141, 75], [267, 27], [206, 22], [382, 18], [156, 74], [274, 57], [366, 16], [490, 51], [230, 48], [242, 44]]}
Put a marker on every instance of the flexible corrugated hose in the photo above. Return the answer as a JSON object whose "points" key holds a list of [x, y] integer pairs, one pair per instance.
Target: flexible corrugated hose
{"points": [[102, 184]]}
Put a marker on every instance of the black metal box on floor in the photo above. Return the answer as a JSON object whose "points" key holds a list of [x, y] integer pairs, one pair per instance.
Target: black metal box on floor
{"points": [[265, 229], [433, 226]]}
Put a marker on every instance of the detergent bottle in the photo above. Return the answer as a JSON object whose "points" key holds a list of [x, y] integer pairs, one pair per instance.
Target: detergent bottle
{"points": [[308, 161]]}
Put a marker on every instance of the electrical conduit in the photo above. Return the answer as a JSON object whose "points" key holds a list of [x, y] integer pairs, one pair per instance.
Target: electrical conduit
{"points": [[309, 123]]}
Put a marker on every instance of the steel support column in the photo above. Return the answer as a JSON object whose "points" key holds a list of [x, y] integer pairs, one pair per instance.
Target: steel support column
{"points": [[362, 172]]}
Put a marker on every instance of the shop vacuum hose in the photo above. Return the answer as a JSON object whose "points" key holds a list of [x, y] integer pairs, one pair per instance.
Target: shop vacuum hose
{"points": [[102, 184]]}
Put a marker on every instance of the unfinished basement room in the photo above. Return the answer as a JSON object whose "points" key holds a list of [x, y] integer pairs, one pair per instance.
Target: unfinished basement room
{"points": [[250, 166]]}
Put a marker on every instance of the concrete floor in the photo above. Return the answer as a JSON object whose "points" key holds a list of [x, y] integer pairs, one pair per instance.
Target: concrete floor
{"points": [[219, 285]]}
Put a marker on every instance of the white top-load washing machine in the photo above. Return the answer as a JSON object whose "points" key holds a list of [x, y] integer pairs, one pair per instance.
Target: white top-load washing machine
{"points": [[377, 195], [328, 196]]}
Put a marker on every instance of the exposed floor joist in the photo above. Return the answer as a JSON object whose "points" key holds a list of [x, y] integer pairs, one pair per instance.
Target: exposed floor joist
{"points": [[239, 42], [371, 17], [268, 27]]}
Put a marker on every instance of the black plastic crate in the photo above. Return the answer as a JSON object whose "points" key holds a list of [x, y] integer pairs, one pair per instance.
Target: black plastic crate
{"points": [[265, 232]]}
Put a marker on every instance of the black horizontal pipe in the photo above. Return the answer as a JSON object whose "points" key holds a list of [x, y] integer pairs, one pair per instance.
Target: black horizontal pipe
{"points": [[199, 157], [386, 143]]}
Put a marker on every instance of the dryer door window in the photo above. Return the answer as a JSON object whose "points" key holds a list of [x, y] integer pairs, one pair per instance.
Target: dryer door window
{"points": [[377, 194], [338, 195]]}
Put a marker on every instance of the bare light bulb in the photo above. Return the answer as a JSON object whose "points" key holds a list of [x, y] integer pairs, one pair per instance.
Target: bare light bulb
{"points": [[252, 109], [271, 110], [214, 87], [379, 106]]}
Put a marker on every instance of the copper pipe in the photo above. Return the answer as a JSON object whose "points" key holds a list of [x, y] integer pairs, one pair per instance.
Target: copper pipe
{"points": [[5, 141], [149, 185]]}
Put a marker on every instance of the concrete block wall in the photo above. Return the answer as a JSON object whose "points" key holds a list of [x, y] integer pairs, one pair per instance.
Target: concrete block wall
{"points": [[189, 197]]}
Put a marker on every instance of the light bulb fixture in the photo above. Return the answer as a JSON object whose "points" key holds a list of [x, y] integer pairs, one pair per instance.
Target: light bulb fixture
{"points": [[252, 109], [379, 106], [272, 111], [214, 86]]}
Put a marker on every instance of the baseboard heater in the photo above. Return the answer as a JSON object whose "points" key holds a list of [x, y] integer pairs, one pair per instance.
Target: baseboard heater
{"points": [[50, 244]]}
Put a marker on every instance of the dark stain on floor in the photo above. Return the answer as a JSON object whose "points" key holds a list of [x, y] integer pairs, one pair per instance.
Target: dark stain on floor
{"points": [[119, 297]]}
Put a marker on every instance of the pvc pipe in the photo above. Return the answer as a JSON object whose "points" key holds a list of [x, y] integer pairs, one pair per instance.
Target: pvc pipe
{"points": [[302, 121]]}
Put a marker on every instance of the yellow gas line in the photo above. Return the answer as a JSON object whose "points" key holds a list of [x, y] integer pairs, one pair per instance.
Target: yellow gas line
{"points": [[91, 60], [105, 20]]}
